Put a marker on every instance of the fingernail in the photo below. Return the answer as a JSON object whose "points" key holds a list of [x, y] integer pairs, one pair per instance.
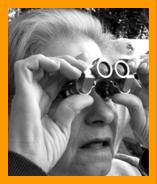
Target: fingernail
{"points": [[144, 66], [82, 56], [132, 66], [77, 72], [132, 63]]}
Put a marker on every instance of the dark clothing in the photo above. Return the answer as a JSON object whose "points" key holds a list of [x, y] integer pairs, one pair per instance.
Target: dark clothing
{"points": [[144, 162], [20, 166]]}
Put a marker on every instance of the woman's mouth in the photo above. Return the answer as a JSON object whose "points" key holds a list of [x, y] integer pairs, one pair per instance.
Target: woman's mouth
{"points": [[96, 144], [97, 150]]}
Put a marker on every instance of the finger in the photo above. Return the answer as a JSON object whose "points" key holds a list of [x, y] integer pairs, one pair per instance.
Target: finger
{"points": [[32, 68], [53, 84], [36, 62], [34, 65], [143, 74], [132, 66], [69, 108], [143, 68], [69, 71], [48, 80], [51, 88], [56, 85], [50, 65], [50, 83], [133, 103], [143, 94], [139, 121], [80, 64]]}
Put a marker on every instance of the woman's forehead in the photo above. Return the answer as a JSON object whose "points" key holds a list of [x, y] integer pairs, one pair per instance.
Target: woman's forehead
{"points": [[81, 48], [86, 49]]}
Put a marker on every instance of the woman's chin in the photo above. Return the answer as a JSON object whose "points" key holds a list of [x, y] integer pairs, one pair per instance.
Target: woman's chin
{"points": [[90, 170], [84, 169]]}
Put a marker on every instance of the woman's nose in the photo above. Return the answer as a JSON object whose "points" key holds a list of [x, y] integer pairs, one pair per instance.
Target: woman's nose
{"points": [[101, 113]]}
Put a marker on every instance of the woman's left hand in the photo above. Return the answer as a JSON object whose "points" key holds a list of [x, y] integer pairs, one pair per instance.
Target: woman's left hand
{"points": [[137, 104]]}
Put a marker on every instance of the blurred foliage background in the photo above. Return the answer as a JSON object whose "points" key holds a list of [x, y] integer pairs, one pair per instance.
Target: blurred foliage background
{"points": [[122, 22]]}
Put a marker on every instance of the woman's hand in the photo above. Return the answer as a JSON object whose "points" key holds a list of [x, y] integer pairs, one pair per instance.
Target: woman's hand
{"points": [[137, 104], [40, 125]]}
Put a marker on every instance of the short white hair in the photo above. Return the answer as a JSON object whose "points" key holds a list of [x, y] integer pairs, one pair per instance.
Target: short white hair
{"points": [[30, 33]]}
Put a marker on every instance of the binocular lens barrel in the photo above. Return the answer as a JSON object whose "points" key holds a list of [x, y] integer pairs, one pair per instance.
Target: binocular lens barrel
{"points": [[122, 69], [102, 69], [106, 79]]}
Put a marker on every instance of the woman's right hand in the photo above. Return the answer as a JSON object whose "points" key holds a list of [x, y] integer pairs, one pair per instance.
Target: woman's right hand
{"points": [[39, 123]]}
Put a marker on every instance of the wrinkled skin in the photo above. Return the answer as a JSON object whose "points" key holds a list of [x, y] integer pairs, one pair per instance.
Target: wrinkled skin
{"points": [[51, 131]]}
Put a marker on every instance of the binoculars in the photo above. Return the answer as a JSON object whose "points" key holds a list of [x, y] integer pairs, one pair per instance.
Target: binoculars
{"points": [[105, 78]]}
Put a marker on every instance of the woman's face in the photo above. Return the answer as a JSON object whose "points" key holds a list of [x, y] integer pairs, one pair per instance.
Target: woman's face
{"points": [[95, 130]]}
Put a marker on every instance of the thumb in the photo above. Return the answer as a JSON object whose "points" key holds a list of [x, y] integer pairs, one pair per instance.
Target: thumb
{"points": [[69, 108], [139, 119]]}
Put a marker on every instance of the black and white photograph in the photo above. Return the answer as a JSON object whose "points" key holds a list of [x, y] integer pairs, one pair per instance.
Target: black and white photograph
{"points": [[78, 92]]}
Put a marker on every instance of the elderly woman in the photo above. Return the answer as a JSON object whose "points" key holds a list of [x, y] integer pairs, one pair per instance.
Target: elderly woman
{"points": [[79, 134]]}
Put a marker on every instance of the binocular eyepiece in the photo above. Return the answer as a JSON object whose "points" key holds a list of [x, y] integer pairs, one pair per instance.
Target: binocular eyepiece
{"points": [[104, 69], [107, 79]]}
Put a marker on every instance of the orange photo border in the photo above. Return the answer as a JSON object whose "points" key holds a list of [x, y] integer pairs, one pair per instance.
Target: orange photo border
{"points": [[4, 5]]}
